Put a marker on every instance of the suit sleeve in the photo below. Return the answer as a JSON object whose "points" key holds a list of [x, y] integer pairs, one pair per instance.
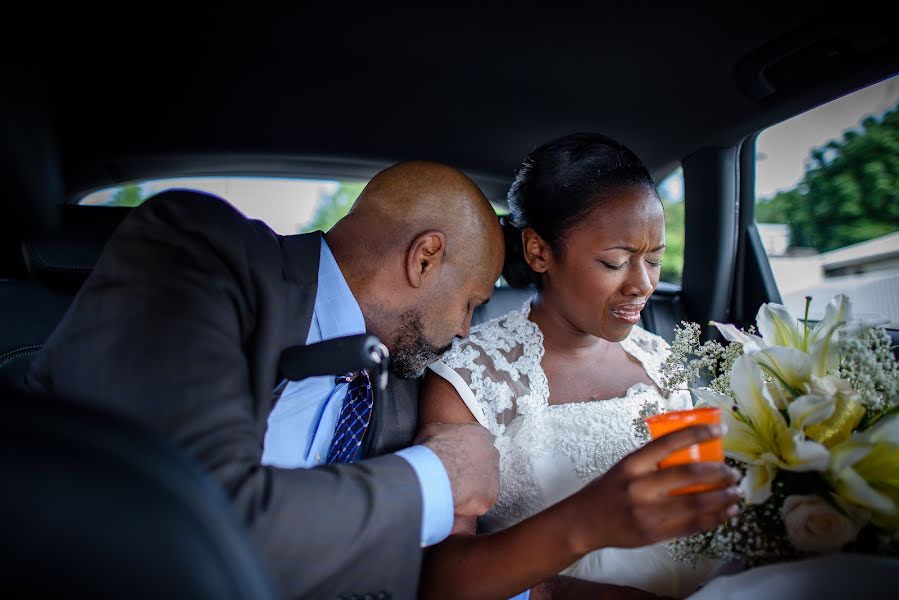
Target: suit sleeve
{"points": [[162, 332]]}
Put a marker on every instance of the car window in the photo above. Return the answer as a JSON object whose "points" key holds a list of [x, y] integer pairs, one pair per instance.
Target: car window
{"points": [[288, 206], [827, 203], [671, 191]]}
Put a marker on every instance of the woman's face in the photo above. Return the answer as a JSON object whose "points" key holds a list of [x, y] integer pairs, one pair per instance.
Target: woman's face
{"points": [[608, 265]]}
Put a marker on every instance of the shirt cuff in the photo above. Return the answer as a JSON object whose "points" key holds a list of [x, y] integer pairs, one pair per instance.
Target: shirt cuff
{"points": [[437, 512]]}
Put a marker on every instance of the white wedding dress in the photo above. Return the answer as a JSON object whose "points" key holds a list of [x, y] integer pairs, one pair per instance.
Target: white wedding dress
{"points": [[550, 450]]}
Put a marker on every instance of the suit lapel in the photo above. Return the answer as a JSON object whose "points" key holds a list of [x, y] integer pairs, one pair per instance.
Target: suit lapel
{"points": [[299, 267], [370, 441], [301, 255], [395, 419]]}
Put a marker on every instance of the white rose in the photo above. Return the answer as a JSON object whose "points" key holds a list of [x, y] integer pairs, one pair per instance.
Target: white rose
{"points": [[814, 525]]}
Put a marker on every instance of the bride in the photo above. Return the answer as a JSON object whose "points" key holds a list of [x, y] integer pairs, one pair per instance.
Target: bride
{"points": [[559, 384]]}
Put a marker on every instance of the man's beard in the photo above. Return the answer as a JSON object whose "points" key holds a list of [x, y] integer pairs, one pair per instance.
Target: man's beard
{"points": [[412, 351]]}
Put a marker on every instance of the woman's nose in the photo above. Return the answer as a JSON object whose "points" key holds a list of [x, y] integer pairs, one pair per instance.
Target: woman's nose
{"points": [[639, 282]]}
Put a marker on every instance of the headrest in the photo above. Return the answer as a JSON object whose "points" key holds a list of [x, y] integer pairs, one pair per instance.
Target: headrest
{"points": [[503, 300], [29, 168], [68, 255]]}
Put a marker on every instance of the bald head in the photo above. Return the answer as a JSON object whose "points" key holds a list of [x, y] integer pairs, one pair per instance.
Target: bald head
{"points": [[403, 200], [421, 245]]}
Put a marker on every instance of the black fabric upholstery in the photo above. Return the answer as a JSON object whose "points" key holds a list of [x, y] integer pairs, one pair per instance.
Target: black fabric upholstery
{"points": [[96, 507]]}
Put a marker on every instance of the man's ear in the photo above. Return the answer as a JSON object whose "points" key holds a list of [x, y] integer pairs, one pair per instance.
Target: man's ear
{"points": [[536, 250], [424, 257]]}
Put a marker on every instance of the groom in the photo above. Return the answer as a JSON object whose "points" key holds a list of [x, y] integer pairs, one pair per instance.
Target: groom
{"points": [[181, 327]]}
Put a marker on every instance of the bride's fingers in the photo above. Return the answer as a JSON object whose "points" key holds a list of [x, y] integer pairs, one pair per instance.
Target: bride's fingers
{"points": [[658, 485], [688, 505], [661, 525], [648, 457], [687, 513], [683, 526]]}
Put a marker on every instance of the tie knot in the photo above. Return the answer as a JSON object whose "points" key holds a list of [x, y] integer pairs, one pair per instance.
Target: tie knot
{"points": [[347, 377], [352, 376]]}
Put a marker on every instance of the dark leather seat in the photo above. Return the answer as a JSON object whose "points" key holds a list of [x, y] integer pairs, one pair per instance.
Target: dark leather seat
{"points": [[31, 305], [96, 507], [92, 506], [64, 258], [29, 312]]}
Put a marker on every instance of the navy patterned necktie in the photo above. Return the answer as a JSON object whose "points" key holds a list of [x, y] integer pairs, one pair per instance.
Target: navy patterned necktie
{"points": [[355, 415]]}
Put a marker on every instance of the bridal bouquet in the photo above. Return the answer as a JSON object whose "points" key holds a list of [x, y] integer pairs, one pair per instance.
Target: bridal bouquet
{"points": [[811, 416]]}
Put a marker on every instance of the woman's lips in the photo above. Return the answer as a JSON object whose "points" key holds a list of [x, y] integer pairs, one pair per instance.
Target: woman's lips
{"points": [[629, 313]]}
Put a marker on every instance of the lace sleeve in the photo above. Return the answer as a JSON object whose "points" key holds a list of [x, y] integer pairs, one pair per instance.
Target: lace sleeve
{"points": [[490, 370], [463, 388]]}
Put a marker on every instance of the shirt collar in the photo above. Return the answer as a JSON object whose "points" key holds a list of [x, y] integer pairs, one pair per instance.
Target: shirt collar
{"points": [[336, 310]]}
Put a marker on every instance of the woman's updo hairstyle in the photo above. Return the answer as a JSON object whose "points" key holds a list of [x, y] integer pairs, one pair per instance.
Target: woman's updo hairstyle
{"points": [[555, 188]]}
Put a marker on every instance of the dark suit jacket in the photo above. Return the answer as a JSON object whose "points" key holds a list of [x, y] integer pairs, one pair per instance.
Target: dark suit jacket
{"points": [[181, 326]]}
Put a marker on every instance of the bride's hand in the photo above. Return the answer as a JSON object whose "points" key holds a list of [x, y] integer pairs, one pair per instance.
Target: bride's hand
{"points": [[569, 588], [631, 505]]}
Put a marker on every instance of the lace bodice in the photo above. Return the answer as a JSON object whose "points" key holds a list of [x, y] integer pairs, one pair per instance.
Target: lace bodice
{"points": [[547, 450]]}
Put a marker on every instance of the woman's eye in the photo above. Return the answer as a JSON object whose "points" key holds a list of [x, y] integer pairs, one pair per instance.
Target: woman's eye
{"points": [[655, 263], [612, 266]]}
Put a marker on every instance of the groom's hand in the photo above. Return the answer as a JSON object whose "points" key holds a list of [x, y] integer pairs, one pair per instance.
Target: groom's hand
{"points": [[471, 461], [632, 505]]}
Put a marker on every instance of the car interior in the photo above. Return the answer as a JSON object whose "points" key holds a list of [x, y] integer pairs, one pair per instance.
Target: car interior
{"points": [[95, 99]]}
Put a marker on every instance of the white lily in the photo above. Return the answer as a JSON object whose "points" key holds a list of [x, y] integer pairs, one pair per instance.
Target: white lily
{"points": [[790, 351], [828, 411], [758, 434], [812, 407], [865, 471]]}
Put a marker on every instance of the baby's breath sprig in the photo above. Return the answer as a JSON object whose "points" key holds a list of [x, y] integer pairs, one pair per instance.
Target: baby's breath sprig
{"points": [[866, 361], [694, 362], [731, 353], [679, 367], [642, 431]]}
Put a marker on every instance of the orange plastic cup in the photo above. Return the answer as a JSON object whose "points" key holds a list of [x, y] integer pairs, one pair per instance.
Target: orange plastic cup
{"points": [[711, 451]]}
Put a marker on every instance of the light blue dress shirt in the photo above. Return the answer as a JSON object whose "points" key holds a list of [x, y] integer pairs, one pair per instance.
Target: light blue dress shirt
{"points": [[301, 426]]}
